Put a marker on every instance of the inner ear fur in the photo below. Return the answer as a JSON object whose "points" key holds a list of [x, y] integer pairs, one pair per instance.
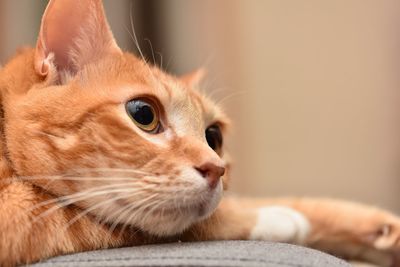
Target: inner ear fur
{"points": [[72, 34]]}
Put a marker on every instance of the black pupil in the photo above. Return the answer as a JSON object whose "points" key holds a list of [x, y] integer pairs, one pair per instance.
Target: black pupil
{"points": [[214, 137], [141, 112]]}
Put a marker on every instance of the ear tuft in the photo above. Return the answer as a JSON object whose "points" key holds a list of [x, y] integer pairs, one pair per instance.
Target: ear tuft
{"points": [[72, 34], [194, 78]]}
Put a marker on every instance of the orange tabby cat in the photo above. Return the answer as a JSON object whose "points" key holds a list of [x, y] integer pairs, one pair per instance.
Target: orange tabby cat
{"points": [[99, 150]]}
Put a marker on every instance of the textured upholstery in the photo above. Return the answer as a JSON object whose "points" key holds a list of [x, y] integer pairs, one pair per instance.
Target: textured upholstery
{"points": [[218, 253]]}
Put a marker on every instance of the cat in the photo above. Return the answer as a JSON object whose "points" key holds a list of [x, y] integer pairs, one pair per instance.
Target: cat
{"points": [[100, 149]]}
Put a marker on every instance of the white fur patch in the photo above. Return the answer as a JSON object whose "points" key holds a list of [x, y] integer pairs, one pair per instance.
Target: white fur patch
{"points": [[65, 142], [280, 224]]}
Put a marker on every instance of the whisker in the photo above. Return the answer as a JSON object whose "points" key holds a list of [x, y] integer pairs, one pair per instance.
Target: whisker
{"points": [[219, 102], [130, 208], [76, 178], [161, 59], [149, 212], [135, 40], [55, 208], [156, 205], [133, 35], [168, 62], [151, 48], [70, 199], [88, 210], [136, 204], [213, 93], [114, 169]]}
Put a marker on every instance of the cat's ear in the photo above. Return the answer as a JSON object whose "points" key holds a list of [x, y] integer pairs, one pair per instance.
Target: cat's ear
{"points": [[73, 33], [194, 78]]}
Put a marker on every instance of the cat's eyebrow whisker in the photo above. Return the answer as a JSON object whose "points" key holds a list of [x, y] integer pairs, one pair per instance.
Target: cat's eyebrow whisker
{"points": [[133, 34], [224, 99], [152, 50], [142, 55], [208, 60], [135, 40], [161, 59], [168, 62], [215, 91]]}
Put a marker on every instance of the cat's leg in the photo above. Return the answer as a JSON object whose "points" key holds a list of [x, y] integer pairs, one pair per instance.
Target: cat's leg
{"points": [[232, 221], [347, 229], [344, 229]]}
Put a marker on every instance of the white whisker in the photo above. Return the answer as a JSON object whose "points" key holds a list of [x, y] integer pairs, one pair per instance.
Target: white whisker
{"points": [[151, 48], [70, 199], [168, 62], [131, 208], [219, 102], [135, 40], [103, 203], [161, 59]]}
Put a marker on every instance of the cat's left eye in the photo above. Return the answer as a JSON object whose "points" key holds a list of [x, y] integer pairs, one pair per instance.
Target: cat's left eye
{"points": [[144, 114], [214, 137]]}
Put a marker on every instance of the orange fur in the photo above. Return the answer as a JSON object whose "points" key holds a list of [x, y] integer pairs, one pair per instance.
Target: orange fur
{"points": [[76, 174]]}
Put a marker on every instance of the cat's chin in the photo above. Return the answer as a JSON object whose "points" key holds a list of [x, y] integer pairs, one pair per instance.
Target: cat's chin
{"points": [[173, 221]]}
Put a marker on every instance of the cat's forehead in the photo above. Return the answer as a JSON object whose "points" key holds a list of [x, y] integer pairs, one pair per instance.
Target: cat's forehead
{"points": [[187, 109]]}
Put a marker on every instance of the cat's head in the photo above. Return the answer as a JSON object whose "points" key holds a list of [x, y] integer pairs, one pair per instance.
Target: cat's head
{"points": [[129, 142]]}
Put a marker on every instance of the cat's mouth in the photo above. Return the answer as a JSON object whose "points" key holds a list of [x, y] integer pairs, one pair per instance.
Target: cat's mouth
{"points": [[198, 209], [202, 208], [174, 215]]}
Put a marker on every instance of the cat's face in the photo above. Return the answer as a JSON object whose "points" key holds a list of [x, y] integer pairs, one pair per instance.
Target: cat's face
{"points": [[126, 141]]}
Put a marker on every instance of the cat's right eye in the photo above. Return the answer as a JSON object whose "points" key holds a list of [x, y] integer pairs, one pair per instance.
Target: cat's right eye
{"points": [[144, 114]]}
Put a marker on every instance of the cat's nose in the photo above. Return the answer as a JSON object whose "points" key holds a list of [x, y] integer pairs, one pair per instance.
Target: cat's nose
{"points": [[212, 172]]}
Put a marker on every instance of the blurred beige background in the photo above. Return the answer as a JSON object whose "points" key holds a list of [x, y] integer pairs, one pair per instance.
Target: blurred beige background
{"points": [[313, 87]]}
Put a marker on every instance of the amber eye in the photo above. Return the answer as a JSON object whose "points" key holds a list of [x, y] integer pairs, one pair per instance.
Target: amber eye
{"points": [[214, 137], [144, 115]]}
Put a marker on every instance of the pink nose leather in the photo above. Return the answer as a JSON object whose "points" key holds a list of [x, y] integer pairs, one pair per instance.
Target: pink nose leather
{"points": [[211, 172]]}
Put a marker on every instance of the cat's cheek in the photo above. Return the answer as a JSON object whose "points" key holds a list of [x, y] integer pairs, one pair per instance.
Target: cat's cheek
{"points": [[281, 224], [213, 202]]}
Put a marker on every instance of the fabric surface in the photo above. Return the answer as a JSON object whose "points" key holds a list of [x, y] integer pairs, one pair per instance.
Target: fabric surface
{"points": [[217, 253]]}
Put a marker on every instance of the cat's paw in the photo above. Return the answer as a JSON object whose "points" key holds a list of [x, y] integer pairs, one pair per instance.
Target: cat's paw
{"points": [[373, 236], [280, 224], [383, 235], [386, 236]]}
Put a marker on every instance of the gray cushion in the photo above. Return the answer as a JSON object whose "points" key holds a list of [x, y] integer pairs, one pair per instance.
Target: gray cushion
{"points": [[217, 253]]}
